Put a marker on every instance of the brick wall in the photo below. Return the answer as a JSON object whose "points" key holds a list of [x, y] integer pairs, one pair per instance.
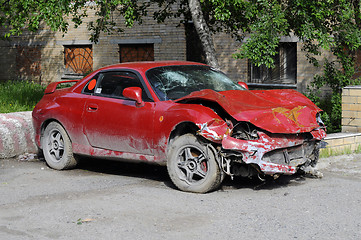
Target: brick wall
{"points": [[351, 109], [341, 143], [28, 62], [225, 46], [238, 68], [306, 71], [169, 43], [167, 38]]}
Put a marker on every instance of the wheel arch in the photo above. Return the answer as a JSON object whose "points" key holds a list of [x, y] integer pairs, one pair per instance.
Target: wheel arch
{"points": [[181, 129], [46, 123], [190, 127]]}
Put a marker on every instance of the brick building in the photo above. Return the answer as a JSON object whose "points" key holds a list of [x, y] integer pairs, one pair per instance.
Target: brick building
{"points": [[47, 56]]}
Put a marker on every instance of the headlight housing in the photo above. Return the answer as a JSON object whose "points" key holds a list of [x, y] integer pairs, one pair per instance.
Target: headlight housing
{"points": [[319, 120]]}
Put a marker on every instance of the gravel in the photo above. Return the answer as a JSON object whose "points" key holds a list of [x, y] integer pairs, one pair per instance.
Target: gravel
{"points": [[113, 200]]}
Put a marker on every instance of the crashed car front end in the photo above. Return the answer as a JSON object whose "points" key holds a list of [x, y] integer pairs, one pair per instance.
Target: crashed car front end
{"points": [[246, 150]]}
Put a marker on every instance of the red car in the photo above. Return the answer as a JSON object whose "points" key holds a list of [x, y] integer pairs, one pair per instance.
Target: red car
{"points": [[187, 116]]}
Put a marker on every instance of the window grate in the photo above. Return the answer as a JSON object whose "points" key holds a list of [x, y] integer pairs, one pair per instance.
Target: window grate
{"points": [[285, 71], [78, 59]]}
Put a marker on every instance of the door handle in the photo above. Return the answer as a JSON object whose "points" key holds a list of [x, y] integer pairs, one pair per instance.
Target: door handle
{"points": [[92, 107]]}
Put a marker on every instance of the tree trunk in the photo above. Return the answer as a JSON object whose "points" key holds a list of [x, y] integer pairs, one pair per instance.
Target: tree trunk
{"points": [[203, 33]]}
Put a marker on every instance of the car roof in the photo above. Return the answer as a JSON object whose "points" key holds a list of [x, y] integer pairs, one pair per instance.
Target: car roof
{"points": [[144, 66]]}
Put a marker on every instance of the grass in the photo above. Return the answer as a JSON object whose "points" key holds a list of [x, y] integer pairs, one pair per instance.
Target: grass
{"points": [[17, 96], [327, 152]]}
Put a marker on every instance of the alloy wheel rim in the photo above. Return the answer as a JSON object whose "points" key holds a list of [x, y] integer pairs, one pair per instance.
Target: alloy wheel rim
{"points": [[192, 165], [55, 145]]}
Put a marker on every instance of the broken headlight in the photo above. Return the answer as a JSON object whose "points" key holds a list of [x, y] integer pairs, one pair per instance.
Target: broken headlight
{"points": [[245, 131], [319, 120]]}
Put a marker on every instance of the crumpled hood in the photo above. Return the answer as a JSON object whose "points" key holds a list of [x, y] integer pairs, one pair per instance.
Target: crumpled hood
{"points": [[276, 111]]}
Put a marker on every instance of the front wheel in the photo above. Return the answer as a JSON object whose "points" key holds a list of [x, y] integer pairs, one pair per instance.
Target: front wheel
{"points": [[192, 166], [57, 148]]}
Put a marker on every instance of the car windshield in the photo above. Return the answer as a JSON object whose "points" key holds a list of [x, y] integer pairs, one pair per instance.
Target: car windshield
{"points": [[173, 82]]}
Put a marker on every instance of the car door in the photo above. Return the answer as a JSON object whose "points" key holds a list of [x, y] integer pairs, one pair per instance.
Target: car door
{"points": [[113, 122]]}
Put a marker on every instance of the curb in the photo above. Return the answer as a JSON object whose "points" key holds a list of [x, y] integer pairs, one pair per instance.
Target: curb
{"points": [[16, 134]]}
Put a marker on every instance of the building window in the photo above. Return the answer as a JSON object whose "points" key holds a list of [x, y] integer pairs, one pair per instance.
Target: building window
{"points": [[285, 71], [28, 62], [136, 52], [78, 59]]}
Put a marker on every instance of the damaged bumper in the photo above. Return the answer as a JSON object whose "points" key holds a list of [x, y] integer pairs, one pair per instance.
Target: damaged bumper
{"points": [[274, 153]]}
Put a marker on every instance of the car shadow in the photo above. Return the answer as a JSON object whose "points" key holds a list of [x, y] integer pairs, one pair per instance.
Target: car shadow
{"points": [[159, 173], [129, 169], [264, 184]]}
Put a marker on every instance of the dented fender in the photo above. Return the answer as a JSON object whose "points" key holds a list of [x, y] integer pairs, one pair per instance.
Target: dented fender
{"points": [[214, 130]]}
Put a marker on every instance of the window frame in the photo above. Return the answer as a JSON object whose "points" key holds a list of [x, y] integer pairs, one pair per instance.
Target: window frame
{"points": [[146, 98], [280, 59]]}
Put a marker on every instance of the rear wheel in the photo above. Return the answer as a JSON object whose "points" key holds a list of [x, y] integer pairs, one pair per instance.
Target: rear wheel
{"points": [[192, 166], [57, 148]]}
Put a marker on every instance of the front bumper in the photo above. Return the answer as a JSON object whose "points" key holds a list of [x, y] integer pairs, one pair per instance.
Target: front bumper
{"points": [[276, 153]]}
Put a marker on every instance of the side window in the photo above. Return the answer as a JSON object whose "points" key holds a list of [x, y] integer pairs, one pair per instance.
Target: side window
{"points": [[112, 84], [90, 86]]}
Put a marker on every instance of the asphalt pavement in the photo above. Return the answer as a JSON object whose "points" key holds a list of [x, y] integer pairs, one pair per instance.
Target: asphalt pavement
{"points": [[114, 200]]}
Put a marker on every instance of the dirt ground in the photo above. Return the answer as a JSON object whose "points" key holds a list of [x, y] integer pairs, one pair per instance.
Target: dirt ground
{"points": [[112, 200]]}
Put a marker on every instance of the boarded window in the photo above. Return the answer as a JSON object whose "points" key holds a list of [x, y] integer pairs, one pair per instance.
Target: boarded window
{"points": [[136, 52], [78, 60], [285, 71], [28, 62]]}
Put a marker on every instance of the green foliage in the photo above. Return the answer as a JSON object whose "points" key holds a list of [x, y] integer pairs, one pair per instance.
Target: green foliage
{"points": [[335, 79], [331, 106], [333, 25], [19, 96], [338, 73], [19, 15], [268, 23], [324, 24]]}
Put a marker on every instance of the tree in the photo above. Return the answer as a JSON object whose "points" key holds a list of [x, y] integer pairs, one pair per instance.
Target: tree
{"points": [[204, 33], [333, 25], [19, 15], [16, 16], [324, 24]]}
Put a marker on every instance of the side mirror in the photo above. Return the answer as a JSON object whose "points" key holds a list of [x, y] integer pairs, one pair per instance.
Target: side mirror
{"points": [[134, 93], [243, 84]]}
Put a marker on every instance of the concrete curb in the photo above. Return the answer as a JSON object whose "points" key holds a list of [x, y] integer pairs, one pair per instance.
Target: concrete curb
{"points": [[16, 134]]}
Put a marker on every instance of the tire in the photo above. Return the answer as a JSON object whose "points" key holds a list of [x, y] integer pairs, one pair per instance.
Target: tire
{"points": [[57, 147], [192, 166]]}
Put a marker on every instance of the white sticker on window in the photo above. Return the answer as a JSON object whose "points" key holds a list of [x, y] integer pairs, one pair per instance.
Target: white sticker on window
{"points": [[98, 90]]}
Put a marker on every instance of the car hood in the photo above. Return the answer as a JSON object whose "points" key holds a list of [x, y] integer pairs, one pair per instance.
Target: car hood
{"points": [[276, 111]]}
